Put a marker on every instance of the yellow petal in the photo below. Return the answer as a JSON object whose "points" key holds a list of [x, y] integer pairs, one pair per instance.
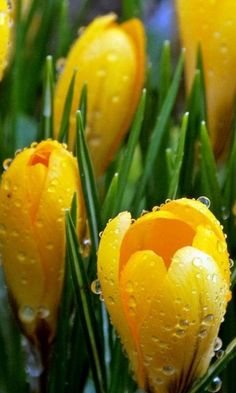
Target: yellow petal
{"points": [[108, 274], [4, 34], [176, 316], [110, 59], [35, 191], [212, 25]]}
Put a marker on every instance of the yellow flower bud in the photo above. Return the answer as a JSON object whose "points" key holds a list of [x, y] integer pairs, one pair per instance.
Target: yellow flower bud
{"points": [[211, 24], [165, 281], [110, 58], [35, 191], [4, 34]]}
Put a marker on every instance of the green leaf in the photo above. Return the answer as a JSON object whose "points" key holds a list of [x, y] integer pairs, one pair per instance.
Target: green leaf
{"points": [[131, 9], [216, 368], [85, 307], [196, 109], [165, 73], [47, 112], [174, 184], [63, 132], [88, 185], [208, 173], [83, 104], [62, 346], [126, 162], [110, 200], [158, 132]]}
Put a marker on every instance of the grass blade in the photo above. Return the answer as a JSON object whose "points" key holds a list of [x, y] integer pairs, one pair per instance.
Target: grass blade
{"points": [[209, 182], [158, 132], [83, 103], [165, 73], [85, 307], [110, 200], [88, 185], [174, 184], [63, 132], [47, 113], [124, 169]]}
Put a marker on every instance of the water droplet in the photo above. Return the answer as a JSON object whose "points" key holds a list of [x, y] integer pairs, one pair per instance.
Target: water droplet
{"points": [[217, 34], [129, 287], [2, 18], [2, 230], [6, 163], [21, 256], [218, 344], [208, 319], [155, 208], [196, 262], [221, 246], [168, 370], [33, 145], [183, 322], [206, 201], [101, 73], [215, 385], [111, 300], [180, 332], [112, 57], [60, 64], [43, 312], [159, 381], [202, 333], [50, 246], [26, 314], [224, 48], [100, 234], [96, 287], [115, 99], [132, 302], [231, 263]]}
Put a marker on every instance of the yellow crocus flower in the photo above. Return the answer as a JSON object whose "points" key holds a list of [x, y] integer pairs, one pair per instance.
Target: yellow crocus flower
{"points": [[110, 58], [35, 191], [5, 24], [165, 281], [211, 24]]}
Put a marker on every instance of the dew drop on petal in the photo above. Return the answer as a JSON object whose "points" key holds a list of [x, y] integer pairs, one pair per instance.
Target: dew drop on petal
{"points": [[27, 314], [43, 312], [168, 370], [218, 344], [6, 163], [231, 263], [206, 201], [215, 385]]}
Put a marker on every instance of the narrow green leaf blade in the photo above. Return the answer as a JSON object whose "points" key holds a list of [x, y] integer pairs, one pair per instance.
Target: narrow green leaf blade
{"points": [[110, 200], [63, 132], [88, 185], [47, 113], [85, 307], [124, 169], [158, 132], [174, 184], [209, 182]]}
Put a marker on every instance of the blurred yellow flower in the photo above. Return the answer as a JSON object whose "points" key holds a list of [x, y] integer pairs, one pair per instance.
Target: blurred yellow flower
{"points": [[165, 281], [35, 191], [110, 58], [5, 25], [211, 24]]}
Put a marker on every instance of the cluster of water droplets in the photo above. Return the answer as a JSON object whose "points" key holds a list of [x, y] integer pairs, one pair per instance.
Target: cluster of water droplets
{"points": [[28, 314]]}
